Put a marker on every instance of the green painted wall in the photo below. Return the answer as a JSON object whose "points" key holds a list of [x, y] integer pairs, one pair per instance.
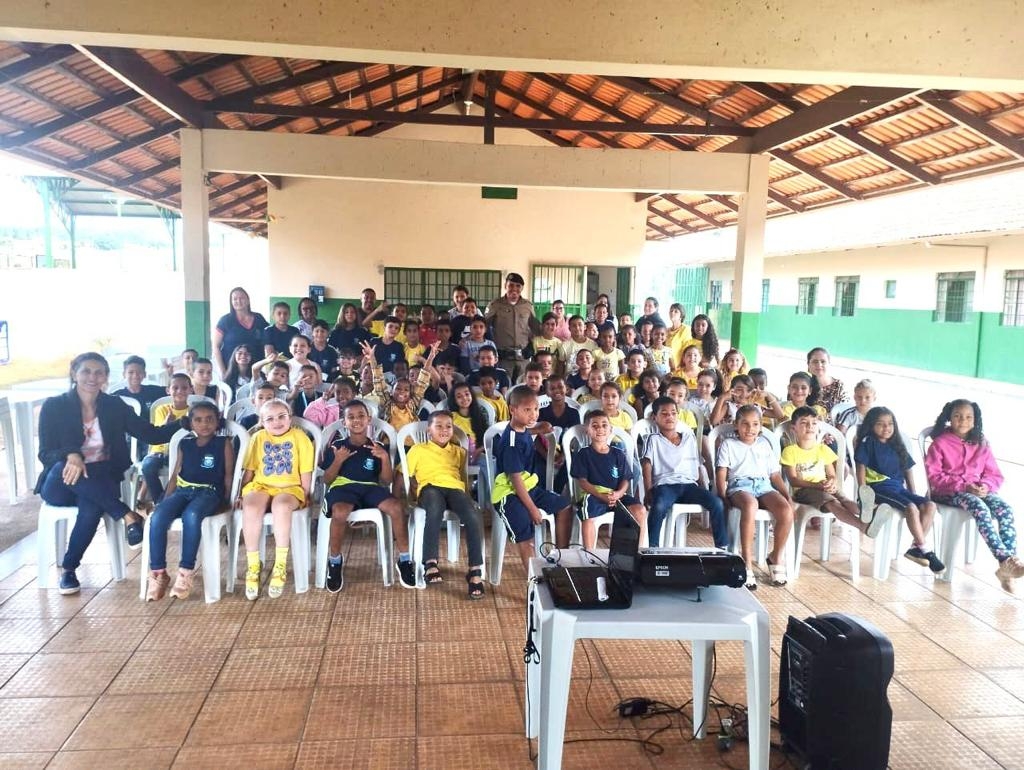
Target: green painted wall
{"points": [[721, 317], [197, 326], [1000, 354]]}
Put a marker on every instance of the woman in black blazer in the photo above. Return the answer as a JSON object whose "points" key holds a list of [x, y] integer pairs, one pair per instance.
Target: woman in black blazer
{"points": [[84, 451]]}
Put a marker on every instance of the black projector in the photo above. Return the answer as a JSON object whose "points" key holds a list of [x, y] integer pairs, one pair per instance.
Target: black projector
{"points": [[691, 568]]}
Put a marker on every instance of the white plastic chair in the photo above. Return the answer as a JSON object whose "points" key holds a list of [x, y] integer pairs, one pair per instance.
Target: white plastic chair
{"points": [[595, 404], [300, 532], [417, 432], [372, 515], [674, 528], [240, 409], [7, 429], [762, 518], [583, 390], [574, 439], [212, 525], [803, 513], [698, 417], [887, 542], [224, 395], [499, 535], [957, 523]]}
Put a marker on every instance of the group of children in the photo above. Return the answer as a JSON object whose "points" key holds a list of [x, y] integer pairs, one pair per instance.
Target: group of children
{"points": [[668, 373]]}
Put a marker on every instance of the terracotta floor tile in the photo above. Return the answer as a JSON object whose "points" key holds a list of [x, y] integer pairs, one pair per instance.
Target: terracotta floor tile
{"points": [[9, 665], [368, 664], [915, 652], [114, 602], [39, 724], [630, 659], [386, 711], [113, 759], [1000, 612], [166, 671], [181, 632], [314, 600], [270, 716], [934, 746], [586, 749], [270, 668], [361, 754], [464, 709], [907, 707], [674, 691], [961, 694], [20, 578], [1010, 679], [253, 756], [25, 761], [982, 649], [32, 602], [100, 634], [372, 599], [462, 662], [230, 603], [999, 737], [586, 662], [485, 752], [372, 627], [932, 616], [141, 721], [896, 589], [65, 674], [439, 622], [294, 629], [27, 634]]}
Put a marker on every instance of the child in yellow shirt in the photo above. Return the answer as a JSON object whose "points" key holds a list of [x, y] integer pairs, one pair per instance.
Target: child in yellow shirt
{"points": [[179, 389]]}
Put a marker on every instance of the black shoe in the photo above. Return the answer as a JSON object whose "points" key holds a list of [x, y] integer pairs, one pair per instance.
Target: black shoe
{"points": [[918, 556], [335, 577], [69, 583], [934, 564], [406, 573], [134, 533]]}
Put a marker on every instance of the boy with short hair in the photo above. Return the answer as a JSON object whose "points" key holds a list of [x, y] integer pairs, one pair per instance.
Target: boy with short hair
{"points": [[488, 379], [179, 390], [428, 325], [547, 341], [546, 360], [488, 357], [670, 463], [517, 494], [447, 353], [348, 361], [144, 393], [608, 358], [358, 474], [401, 405], [202, 379], [278, 336], [602, 474], [330, 406], [471, 346], [322, 354], [533, 378], [577, 341], [584, 364], [387, 348], [415, 351], [303, 393], [461, 322], [810, 468], [265, 392], [559, 414]]}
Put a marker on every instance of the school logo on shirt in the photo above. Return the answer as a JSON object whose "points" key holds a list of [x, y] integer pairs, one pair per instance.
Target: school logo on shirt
{"points": [[208, 462], [368, 463], [615, 473], [277, 458]]}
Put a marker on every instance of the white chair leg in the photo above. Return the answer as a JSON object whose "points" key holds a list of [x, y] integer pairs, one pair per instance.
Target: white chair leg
{"points": [[499, 538], [300, 550], [144, 561], [385, 539], [234, 535], [734, 530], [454, 533], [854, 553], [45, 539], [798, 534], [971, 546], [323, 536], [884, 548], [826, 537], [417, 525], [210, 547], [117, 545], [954, 522]]}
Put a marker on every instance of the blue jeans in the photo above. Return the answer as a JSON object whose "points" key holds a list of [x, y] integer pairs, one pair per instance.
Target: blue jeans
{"points": [[94, 495], [664, 496], [192, 504], [151, 467]]}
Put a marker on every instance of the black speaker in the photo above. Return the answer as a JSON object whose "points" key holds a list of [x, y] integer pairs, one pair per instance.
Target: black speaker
{"points": [[833, 707]]}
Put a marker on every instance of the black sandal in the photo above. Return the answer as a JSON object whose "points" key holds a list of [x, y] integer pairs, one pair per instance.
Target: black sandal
{"points": [[431, 573], [476, 590]]}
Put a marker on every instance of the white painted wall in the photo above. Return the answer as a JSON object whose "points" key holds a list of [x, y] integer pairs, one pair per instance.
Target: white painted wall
{"points": [[913, 266]]}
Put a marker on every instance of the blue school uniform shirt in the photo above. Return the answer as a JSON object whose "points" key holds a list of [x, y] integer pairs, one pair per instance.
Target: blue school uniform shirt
{"points": [[501, 376], [880, 460], [387, 354], [360, 468], [281, 340], [202, 466], [602, 470], [513, 453], [569, 418]]}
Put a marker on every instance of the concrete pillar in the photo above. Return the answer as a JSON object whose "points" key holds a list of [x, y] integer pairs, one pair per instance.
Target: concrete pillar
{"points": [[195, 214], [749, 265]]}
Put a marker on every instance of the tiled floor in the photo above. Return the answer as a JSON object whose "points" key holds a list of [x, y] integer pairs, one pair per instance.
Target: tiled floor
{"points": [[389, 678]]}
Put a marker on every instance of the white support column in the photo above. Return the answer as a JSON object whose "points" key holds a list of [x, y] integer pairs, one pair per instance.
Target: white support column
{"points": [[195, 213], [749, 265]]}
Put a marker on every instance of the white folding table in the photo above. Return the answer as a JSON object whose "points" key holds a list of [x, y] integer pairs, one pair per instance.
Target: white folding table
{"points": [[722, 614]]}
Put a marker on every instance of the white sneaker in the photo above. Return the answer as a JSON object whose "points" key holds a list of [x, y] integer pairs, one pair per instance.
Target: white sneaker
{"points": [[866, 495], [751, 582], [881, 517]]}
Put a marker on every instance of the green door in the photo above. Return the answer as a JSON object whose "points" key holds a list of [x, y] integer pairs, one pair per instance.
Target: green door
{"points": [[691, 290], [554, 282]]}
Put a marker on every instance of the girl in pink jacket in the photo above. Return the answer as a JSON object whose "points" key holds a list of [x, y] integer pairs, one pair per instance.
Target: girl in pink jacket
{"points": [[962, 471]]}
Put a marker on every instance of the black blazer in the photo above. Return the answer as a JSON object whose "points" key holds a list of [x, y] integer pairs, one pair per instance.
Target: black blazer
{"points": [[61, 433]]}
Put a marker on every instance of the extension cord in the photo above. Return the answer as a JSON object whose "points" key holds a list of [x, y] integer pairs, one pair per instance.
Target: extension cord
{"points": [[634, 707]]}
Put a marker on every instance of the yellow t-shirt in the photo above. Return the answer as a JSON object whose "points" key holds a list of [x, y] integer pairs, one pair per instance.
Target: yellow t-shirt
{"points": [[691, 382], [500, 407], [679, 339], [439, 466], [622, 420], [660, 359], [569, 350], [626, 382], [419, 350], [279, 461], [377, 330], [464, 424], [400, 417], [609, 362], [809, 464], [553, 346], [788, 407], [160, 418]]}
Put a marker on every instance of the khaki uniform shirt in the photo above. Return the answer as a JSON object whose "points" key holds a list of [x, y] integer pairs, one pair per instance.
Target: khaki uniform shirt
{"points": [[514, 325]]}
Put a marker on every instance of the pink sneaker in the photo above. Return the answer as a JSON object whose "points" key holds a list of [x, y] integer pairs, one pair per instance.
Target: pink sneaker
{"points": [[183, 583], [157, 585]]}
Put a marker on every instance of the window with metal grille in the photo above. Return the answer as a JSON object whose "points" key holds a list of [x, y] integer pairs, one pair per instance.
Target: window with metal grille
{"points": [[807, 299], [846, 295], [766, 288], [954, 296], [1013, 298], [715, 295], [416, 286], [890, 289]]}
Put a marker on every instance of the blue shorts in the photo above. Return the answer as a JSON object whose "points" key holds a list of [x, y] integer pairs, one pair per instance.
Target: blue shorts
{"points": [[356, 495], [517, 520], [591, 507], [753, 486], [896, 495]]}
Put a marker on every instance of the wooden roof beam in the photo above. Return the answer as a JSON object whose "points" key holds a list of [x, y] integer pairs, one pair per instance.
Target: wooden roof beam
{"points": [[228, 205], [833, 110], [137, 73], [786, 202], [658, 228], [884, 154], [779, 97], [666, 215], [691, 210], [942, 101], [813, 172], [648, 90], [325, 71], [120, 147], [35, 62]]}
